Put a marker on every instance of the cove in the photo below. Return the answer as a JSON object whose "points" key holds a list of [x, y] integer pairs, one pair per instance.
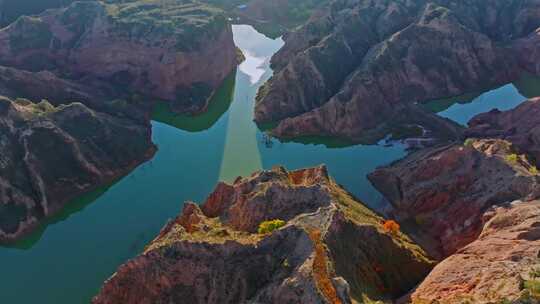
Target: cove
{"points": [[462, 108], [69, 258]]}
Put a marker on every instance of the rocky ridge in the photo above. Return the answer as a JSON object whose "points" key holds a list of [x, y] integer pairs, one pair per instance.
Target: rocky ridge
{"points": [[330, 81], [332, 249], [474, 205], [176, 51], [50, 155]]}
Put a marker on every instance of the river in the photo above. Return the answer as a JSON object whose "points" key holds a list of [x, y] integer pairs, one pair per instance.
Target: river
{"points": [[68, 259]]}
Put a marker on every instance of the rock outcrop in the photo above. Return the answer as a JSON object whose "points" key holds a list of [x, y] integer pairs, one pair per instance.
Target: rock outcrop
{"points": [[332, 249], [520, 126], [501, 266], [50, 155], [331, 81], [177, 51], [444, 191]]}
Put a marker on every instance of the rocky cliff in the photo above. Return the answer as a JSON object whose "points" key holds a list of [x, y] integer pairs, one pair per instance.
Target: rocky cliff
{"points": [[331, 81], [444, 191], [177, 51], [50, 155], [329, 248], [520, 126], [501, 266]]}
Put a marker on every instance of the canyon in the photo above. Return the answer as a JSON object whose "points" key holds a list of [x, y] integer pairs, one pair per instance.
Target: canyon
{"points": [[88, 89], [330, 81], [100, 62]]}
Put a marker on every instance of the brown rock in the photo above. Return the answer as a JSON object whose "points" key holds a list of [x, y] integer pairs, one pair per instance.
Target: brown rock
{"points": [[50, 155], [331, 81], [133, 45], [520, 126], [444, 191], [332, 249], [493, 268]]}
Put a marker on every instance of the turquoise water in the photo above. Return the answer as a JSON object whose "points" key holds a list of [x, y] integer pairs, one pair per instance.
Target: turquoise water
{"points": [[69, 258], [462, 108]]}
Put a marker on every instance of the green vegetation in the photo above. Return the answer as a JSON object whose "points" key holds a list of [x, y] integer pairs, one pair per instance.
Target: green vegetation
{"points": [[469, 142], [269, 226], [190, 22], [533, 288], [406, 131], [512, 158]]}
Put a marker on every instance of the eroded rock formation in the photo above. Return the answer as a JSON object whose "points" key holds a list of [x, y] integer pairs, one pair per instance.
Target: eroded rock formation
{"points": [[332, 249], [444, 191], [498, 267], [50, 155], [520, 126], [177, 51], [332, 81]]}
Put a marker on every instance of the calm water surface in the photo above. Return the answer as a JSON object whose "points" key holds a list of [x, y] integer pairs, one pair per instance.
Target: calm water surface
{"points": [[70, 257]]}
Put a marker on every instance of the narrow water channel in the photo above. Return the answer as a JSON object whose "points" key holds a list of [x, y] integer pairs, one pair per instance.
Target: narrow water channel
{"points": [[69, 258]]}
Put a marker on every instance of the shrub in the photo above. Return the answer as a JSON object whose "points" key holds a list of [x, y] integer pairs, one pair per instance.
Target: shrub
{"points": [[269, 226], [512, 158], [535, 273], [533, 287], [468, 142], [391, 226]]}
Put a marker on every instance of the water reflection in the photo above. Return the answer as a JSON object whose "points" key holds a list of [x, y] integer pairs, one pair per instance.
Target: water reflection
{"points": [[218, 105]]}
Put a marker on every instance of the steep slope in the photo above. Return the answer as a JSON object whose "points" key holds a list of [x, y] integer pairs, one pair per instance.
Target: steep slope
{"points": [[332, 81], [501, 266], [50, 155], [177, 51], [332, 249], [520, 126], [445, 191]]}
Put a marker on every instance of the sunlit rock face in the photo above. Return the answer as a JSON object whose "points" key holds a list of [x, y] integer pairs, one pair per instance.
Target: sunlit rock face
{"points": [[498, 267], [169, 50], [50, 155], [446, 190], [331, 249], [332, 81]]}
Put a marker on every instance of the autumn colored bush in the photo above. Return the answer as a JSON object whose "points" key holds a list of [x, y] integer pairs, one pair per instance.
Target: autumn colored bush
{"points": [[269, 226], [391, 226]]}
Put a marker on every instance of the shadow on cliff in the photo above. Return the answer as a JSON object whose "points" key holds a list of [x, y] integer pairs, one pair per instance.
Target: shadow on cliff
{"points": [[218, 105]]}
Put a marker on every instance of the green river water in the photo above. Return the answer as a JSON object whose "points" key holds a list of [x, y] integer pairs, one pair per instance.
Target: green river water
{"points": [[73, 253]]}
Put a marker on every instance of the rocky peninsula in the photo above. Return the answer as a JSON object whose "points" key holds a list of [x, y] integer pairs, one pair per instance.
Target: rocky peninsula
{"points": [[326, 247], [50, 155], [331, 81]]}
